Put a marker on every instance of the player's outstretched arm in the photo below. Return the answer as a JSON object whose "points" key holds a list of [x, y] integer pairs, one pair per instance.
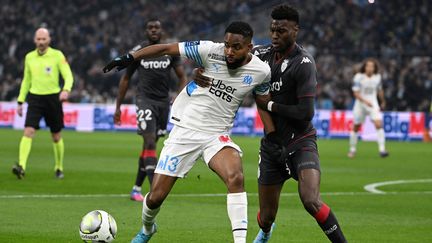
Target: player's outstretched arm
{"points": [[147, 52]]}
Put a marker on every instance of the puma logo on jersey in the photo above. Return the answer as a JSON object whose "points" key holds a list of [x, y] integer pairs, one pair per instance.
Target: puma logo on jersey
{"points": [[155, 64], [305, 60]]}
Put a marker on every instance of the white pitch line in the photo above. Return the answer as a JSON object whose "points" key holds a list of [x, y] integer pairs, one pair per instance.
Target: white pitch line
{"points": [[41, 196], [372, 188]]}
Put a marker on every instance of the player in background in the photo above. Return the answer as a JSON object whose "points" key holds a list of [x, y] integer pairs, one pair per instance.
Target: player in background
{"points": [[40, 87], [290, 150], [152, 101], [366, 87], [203, 117]]}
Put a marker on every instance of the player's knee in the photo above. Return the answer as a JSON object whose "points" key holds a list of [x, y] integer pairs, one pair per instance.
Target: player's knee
{"points": [[267, 218], [311, 204], [149, 141], [151, 145], [56, 137], [154, 199], [29, 132], [235, 182]]}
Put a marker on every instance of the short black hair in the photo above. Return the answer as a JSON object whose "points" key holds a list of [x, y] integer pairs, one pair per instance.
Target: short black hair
{"points": [[241, 28], [287, 12], [153, 19]]}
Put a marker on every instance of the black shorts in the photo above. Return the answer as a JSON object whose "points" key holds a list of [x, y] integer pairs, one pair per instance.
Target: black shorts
{"points": [[152, 116], [47, 106], [301, 155]]}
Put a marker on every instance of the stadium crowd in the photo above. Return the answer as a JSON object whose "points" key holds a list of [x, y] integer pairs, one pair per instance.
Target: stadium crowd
{"points": [[339, 33]]}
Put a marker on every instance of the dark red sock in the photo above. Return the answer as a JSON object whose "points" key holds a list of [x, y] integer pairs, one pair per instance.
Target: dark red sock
{"points": [[329, 224], [149, 162]]}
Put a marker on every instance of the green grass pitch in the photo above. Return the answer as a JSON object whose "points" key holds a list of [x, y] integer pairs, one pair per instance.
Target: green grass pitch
{"points": [[100, 170]]}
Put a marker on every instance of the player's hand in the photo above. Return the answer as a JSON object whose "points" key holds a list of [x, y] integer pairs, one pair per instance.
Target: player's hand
{"points": [[117, 116], [19, 110], [200, 79], [64, 95], [119, 62]]}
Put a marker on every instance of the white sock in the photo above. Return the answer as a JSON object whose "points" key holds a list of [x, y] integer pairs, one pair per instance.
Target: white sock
{"points": [[353, 141], [148, 217], [237, 212], [136, 188], [381, 139]]}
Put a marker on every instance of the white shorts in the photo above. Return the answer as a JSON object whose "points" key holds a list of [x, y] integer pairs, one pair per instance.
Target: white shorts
{"points": [[361, 110], [185, 146]]}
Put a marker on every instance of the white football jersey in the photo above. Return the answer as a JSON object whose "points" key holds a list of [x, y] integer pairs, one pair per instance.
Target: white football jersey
{"points": [[213, 109], [367, 86]]}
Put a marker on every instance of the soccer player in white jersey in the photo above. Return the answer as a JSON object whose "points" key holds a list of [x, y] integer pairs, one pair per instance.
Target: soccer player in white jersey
{"points": [[367, 86], [203, 117]]}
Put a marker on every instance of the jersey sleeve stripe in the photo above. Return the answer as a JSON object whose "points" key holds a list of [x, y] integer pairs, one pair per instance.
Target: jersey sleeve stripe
{"points": [[188, 53], [192, 53], [198, 55]]}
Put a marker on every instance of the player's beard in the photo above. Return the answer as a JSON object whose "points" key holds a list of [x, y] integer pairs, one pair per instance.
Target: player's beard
{"points": [[236, 64]]}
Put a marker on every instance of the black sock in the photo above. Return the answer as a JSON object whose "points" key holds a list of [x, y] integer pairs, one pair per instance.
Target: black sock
{"points": [[150, 166], [141, 174], [329, 224]]}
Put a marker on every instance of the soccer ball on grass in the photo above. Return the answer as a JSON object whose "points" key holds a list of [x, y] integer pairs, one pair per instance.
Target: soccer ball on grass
{"points": [[98, 226]]}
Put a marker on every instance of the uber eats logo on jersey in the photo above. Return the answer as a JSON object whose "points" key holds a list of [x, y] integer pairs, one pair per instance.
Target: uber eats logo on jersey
{"points": [[155, 64], [221, 90]]}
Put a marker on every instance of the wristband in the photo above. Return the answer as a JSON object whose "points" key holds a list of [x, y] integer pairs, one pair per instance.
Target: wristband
{"points": [[269, 105], [20, 103]]}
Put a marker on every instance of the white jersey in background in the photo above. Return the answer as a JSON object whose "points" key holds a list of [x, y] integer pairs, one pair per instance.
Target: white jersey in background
{"points": [[213, 109], [367, 86]]}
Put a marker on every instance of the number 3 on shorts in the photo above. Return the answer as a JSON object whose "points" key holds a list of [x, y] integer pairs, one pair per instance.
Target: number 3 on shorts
{"points": [[169, 163]]}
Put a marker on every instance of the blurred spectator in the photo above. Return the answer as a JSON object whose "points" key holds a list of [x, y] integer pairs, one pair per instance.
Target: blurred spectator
{"points": [[339, 33]]}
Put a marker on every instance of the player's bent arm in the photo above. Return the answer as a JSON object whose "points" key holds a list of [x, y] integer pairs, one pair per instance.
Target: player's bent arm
{"points": [[124, 84], [304, 110], [267, 121], [157, 50], [382, 98], [264, 114], [181, 75]]}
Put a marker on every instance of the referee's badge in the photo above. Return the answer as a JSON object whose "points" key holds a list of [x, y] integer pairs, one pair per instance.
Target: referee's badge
{"points": [[284, 65], [48, 70]]}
